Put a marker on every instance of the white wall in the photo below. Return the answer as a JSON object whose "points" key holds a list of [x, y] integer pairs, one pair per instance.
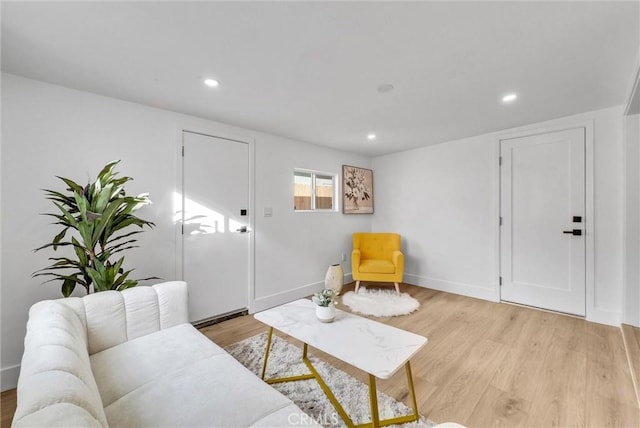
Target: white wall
{"points": [[631, 299], [449, 228], [296, 248], [50, 130], [440, 199]]}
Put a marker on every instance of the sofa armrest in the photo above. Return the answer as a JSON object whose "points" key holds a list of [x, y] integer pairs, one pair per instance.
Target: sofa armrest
{"points": [[355, 260], [398, 260], [56, 387]]}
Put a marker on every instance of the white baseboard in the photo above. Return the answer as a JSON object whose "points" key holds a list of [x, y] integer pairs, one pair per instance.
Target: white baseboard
{"points": [[631, 323], [267, 302], [9, 377], [632, 319], [596, 315], [468, 290], [262, 303], [604, 317]]}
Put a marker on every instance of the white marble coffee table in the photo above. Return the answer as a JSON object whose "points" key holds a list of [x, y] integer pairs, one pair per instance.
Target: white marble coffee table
{"points": [[376, 348]]}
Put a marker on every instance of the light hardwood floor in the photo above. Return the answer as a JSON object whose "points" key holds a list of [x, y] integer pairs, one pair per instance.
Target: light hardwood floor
{"points": [[494, 365], [631, 338]]}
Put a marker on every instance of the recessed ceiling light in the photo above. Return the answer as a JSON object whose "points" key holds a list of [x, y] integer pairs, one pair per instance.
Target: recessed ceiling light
{"points": [[371, 137], [509, 98], [213, 83]]}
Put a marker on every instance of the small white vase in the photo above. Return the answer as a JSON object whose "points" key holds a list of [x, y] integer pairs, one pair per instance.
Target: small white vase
{"points": [[334, 278], [326, 313]]}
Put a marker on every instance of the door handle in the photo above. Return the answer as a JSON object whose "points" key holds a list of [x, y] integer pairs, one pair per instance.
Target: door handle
{"points": [[574, 232], [243, 229]]}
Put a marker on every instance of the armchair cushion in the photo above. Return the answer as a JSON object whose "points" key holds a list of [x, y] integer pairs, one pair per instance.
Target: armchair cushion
{"points": [[377, 266]]}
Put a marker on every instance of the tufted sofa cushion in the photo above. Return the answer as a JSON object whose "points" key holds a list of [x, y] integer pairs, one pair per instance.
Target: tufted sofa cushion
{"points": [[164, 352], [207, 386], [111, 317]]}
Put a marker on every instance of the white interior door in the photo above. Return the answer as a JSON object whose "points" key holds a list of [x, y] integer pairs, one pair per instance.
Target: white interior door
{"points": [[542, 208], [215, 225]]}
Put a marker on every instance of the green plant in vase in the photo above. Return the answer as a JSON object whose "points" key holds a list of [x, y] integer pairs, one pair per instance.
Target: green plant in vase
{"points": [[326, 304], [326, 297], [96, 222]]}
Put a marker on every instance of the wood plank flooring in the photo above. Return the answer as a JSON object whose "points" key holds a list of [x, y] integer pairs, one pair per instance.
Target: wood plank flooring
{"points": [[7, 407], [493, 365], [631, 337]]}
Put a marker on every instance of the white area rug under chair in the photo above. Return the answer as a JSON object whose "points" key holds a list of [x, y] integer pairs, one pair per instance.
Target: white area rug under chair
{"points": [[380, 302]]}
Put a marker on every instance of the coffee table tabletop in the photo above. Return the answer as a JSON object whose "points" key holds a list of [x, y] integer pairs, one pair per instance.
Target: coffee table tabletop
{"points": [[376, 348]]}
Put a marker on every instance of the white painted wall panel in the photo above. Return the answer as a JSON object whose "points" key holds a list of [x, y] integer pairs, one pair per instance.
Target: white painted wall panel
{"points": [[440, 199], [293, 248]]}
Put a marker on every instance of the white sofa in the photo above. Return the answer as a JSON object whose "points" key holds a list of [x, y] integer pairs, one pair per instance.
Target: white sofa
{"points": [[130, 359]]}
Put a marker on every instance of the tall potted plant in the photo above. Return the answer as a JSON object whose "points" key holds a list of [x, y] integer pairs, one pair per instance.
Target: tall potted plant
{"points": [[95, 222]]}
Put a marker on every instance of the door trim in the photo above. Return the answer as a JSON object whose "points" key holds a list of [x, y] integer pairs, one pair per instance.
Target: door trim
{"points": [[216, 133], [592, 313]]}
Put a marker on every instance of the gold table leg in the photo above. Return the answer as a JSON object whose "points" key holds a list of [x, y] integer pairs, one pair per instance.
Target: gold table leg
{"points": [[332, 398], [282, 379], [266, 353], [373, 402], [414, 402], [373, 398]]}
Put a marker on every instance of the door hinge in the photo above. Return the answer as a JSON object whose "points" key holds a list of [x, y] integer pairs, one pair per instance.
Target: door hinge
{"points": [[182, 229], [182, 151], [499, 160], [500, 281], [500, 221]]}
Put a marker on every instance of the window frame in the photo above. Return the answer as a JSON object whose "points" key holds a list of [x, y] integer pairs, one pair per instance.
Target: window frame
{"points": [[314, 174]]}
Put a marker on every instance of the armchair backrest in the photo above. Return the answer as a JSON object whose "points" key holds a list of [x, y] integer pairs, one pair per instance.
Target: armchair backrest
{"points": [[377, 246]]}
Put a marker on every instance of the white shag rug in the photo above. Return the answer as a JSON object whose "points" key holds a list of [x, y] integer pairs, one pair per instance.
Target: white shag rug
{"points": [[380, 303], [285, 359]]}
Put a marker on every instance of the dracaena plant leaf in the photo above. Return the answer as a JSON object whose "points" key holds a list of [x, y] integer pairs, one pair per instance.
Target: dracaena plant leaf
{"points": [[95, 222]]}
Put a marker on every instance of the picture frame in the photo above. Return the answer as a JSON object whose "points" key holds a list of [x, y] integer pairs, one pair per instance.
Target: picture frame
{"points": [[357, 190]]}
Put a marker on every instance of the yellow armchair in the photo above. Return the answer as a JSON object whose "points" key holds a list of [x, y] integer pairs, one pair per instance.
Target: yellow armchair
{"points": [[377, 257]]}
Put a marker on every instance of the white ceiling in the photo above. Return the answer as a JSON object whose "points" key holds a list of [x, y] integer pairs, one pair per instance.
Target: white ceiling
{"points": [[310, 70]]}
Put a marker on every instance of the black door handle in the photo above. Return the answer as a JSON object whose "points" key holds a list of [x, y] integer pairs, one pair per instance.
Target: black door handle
{"points": [[574, 232]]}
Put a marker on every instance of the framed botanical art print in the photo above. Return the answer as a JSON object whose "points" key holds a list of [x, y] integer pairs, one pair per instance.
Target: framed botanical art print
{"points": [[357, 190]]}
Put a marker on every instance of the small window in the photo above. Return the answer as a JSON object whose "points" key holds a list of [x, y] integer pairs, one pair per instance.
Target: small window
{"points": [[314, 191], [302, 191]]}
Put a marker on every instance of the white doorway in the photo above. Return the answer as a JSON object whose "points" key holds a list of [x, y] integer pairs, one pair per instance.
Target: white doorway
{"points": [[216, 255], [543, 223]]}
